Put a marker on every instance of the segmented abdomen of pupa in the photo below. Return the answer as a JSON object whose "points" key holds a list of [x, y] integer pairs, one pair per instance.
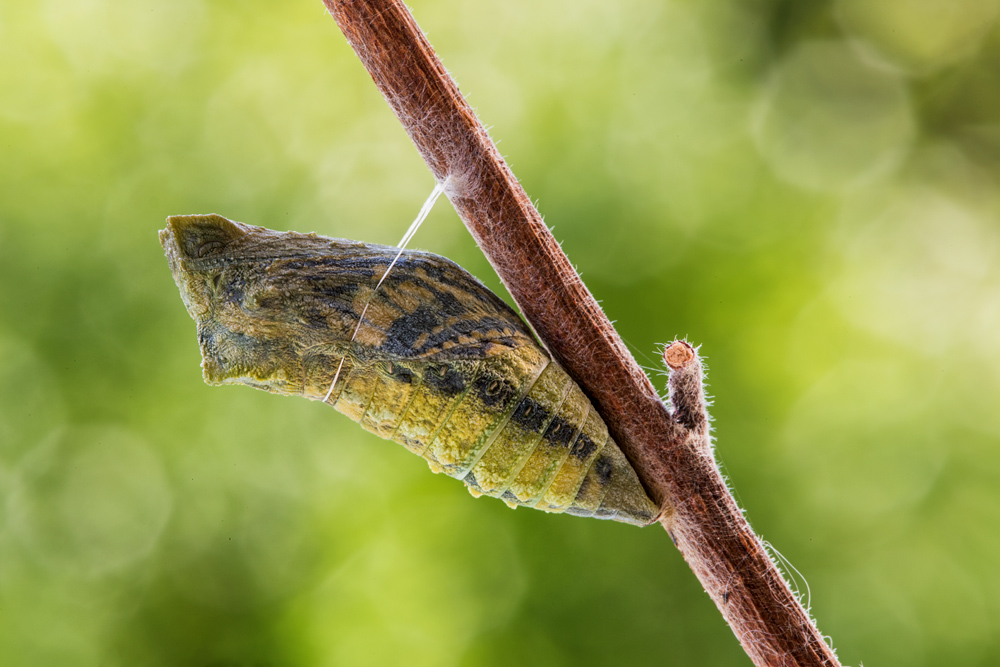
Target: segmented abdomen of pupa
{"points": [[442, 366]]}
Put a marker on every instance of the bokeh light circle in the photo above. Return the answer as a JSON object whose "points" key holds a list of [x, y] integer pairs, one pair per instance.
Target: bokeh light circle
{"points": [[919, 36], [829, 121], [89, 500]]}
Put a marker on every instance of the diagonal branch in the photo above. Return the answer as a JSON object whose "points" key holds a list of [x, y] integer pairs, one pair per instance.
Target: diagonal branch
{"points": [[670, 452]]}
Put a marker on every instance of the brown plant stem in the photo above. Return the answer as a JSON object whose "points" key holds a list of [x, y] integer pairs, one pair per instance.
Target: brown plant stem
{"points": [[670, 451]]}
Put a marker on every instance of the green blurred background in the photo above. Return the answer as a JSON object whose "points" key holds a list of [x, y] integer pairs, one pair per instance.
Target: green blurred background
{"points": [[807, 189]]}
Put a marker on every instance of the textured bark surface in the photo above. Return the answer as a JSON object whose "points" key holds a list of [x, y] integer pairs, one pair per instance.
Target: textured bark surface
{"points": [[670, 451]]}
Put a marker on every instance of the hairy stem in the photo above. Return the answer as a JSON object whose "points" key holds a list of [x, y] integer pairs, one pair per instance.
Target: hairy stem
{"points": [[670, 453]]}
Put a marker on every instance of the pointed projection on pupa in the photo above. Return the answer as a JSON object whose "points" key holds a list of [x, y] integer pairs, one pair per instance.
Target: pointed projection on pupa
{"points": [[438, 363]]}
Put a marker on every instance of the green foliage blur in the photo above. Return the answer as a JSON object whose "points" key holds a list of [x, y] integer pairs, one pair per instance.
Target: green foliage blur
{"points": [[809, 190]]}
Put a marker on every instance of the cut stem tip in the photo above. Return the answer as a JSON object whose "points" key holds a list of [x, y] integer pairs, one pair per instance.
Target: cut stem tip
{"points": [[678, 354]]}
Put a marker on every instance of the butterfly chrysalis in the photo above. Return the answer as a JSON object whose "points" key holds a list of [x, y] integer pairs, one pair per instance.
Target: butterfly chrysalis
{"points": [[438, 363]]}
